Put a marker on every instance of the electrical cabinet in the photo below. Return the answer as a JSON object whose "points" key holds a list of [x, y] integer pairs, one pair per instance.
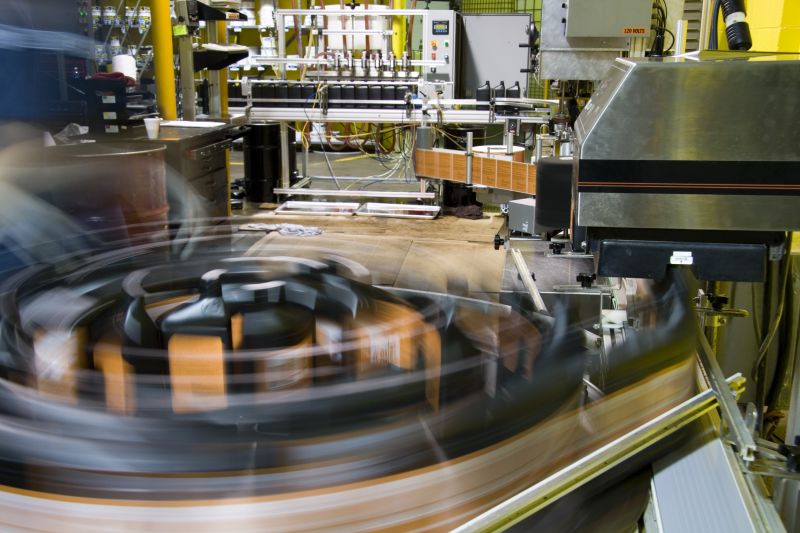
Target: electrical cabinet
{"points": [[609, 18]]}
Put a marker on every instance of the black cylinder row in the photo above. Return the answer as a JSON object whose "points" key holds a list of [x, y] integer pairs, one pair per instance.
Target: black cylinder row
{"points": [[486, 92], [305, 94], [262, 161]]}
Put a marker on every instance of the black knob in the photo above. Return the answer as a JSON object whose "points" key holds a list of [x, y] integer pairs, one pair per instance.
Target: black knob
{"points": [[717, 301], [498, 242], [586, 280]]}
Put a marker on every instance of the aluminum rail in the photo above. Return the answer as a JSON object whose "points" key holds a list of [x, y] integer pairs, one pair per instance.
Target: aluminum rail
{"points": [[355, 193], [396, 116], [527, 502], [352, 12], [738, 432], [527, 280], [267, 60]]}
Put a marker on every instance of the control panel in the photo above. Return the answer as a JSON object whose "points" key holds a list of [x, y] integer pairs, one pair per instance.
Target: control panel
{"points": [[440, 37]]}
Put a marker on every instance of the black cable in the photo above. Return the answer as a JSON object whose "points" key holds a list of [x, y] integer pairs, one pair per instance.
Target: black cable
{"points": [[672, 43], [712, 40]]}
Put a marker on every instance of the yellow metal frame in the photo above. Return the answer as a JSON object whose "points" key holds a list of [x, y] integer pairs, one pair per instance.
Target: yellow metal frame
{"points": [[161, 32]]}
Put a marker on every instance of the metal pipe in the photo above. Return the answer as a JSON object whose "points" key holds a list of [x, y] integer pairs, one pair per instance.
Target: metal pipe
{"points": [[469, 158], [214, 90], [356, 193], [527, 281], [305, 157], [163, 59], [284, 156], [680, 37], [398, 29], [509, 142]]}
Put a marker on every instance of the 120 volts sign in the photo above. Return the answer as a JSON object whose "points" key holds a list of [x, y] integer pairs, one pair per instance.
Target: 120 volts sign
{"points": [[634, 31]]}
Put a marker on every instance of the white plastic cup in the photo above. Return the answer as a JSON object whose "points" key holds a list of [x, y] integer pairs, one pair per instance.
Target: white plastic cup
{"points": [[152, 126]]}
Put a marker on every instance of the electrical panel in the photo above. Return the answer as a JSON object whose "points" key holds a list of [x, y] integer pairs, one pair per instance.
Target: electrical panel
{"points": [[440, 34], [608, 18]]}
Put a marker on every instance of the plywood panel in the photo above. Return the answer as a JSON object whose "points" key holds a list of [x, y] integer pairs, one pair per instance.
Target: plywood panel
{"points": [[489, 172], [459, 168], [519, 177], [504, 175], [531, 179]]}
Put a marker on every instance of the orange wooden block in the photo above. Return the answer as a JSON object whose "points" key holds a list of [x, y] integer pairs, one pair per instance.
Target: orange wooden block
{"points": [[504, 174]]}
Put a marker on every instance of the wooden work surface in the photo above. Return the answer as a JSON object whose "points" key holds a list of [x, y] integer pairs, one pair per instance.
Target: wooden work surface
{"points": [[447, 254]]}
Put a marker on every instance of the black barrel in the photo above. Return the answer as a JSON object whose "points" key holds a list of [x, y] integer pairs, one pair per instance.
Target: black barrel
{"points": [[262, 161], [234, 90], [375, 95], [348, 94], [553, 194], [295, 93], [388, 93], [268, 91], [400, 94], [281, 92], [307, 91], [334, 93], [362, 93]]}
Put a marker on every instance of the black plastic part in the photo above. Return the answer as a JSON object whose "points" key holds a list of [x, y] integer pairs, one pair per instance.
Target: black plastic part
{"points": [[206, 12], [498, 242], [717, 301], [586, 280], [216, 59], [515, 91], [556, 247], [710, 261], [482, 94], [553, 194], [738, 34]]}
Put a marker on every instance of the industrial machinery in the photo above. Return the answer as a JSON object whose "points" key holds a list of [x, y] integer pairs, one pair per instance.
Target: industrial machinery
{"points": [[349, 73], [244, 386], [681, 181]]}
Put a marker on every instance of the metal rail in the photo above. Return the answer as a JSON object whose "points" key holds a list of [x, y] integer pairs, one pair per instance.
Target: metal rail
{"points": [[527, 502], [356, 193], [397, 116], [738, 432]]}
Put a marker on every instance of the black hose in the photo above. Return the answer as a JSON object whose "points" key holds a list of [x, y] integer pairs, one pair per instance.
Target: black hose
{"points": [[712, 39], [737, 30]]}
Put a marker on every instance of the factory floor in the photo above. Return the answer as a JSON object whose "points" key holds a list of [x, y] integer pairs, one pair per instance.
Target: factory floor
{"points": [[446, 254]]}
